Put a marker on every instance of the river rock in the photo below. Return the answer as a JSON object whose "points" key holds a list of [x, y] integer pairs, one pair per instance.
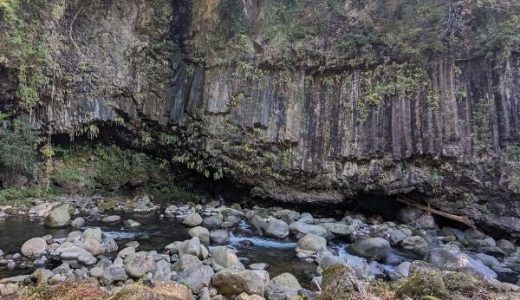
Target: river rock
{"points": [[126, 251], [139, 264], [311, 244], [300, 229], [513, 261], [235, 281], [191, 246], [92, 233], [415, 244], [68, 250], [245, 296], [132, 223], [113, 274], [77, 223], [219, 237], [372, 248], [446, 259], [223, 258], [398, 235], [416, 217], [213, 222], [59, 217], [42, 275], [196, 278], [192, 220], [200, 232], [111, 219], [283, 286], [506, 246], [339, 229], [258, 223], [163, 270], [185, 262], [276, 228], [34, 247], [287, 215], [403, 269], [93, 246]]}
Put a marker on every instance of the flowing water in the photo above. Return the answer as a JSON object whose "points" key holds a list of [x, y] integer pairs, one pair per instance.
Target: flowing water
{"points": [[154, 234]]}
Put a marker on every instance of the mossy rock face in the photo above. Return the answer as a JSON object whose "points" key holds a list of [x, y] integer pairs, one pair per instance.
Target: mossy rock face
{"points": [[428, 283], [160, 291], [339, 282]]}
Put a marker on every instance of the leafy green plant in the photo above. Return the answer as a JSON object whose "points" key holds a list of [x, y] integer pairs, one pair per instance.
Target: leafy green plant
{"points": [[18, 148]]}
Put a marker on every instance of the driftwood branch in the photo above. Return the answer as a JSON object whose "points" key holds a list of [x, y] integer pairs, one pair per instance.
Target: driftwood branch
{"points": [[446, 215]]}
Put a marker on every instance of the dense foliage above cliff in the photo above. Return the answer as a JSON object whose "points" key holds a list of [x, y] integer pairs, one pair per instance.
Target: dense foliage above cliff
{"points": [[339, 33]]}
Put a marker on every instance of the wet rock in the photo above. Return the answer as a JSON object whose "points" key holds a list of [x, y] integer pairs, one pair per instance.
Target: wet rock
{"points": [[139, 264], [159, 291], [132, 223], [282, 287], [287, 215], [77, 223], [213, 222], [192, 220], [276, 228], [415, 244], [111, 219], [34, 247], [110, 245], [300, 229], [235, 281], [373, 248], [219, 237], [144, 205], [200, 232], [416, 217], [450, 260], [513, 261], [223, 258], [196, 278], [59, 217], [339, 229], [507, 246], [311, 244], [258, 266], [398, 235], [259, 224]]}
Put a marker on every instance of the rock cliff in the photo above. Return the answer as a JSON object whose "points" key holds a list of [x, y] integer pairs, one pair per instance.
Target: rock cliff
{"points": [[302, 101]]}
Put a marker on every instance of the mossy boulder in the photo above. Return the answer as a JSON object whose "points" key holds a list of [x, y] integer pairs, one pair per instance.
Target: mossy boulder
{"points": [[340, 282], [59, 217]]}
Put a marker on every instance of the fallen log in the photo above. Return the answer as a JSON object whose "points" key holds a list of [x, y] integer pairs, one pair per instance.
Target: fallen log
{"points": [[446, 215]]}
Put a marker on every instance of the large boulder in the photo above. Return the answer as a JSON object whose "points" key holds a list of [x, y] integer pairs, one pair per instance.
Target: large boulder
{"points": [[213, 222], [196, 278], [452, 260], [223, 258], [235, 281], [283, 286], [311, 244], [34, 247], [219, 237], [416, 217], [200, 232], [185, 262], [276, 228], [191, 246], [137, 265], [300, 229], [372, 248], [192, 220], [59, 217], [159, 291]]}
